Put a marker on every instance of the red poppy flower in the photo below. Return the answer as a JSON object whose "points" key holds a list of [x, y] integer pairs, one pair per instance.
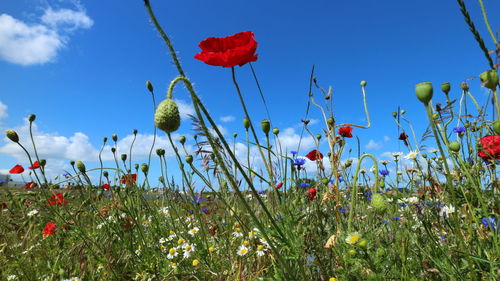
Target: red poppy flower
{"points": [[57, 199], [279, 185], [345, 131], [311, 193], [16, 169], [237, 49], [49, 229], [490, 147], [128, 179], [27, 203], [314, 155], [30, 184], [3, 206], [403, 136], [36, 165], [106, 186]]}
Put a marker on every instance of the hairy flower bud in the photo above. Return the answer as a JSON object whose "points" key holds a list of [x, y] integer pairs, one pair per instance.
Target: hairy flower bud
{"points": [[113, 149], [135, 132], [144, 168], [424, 92], [235, 135], [464, 86], [496, 127], [266, 126], [31, 117], [318, 136], [489, 79], [114, 137], [454, 146], [378, 202], [80, 166], [43, 162], [105, 174], [246, 123], [394, 114], [149, 86], [12, 135], [167, 117], [182, 140], [189, 159], [136, 167], [330, 121], [124, 157], [105, 139], [445, 87], [276, 131], [72, 163], [363, 83]]}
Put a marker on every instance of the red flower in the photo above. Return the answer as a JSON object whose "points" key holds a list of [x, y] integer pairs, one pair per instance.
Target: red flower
{"points": [[314, 155], [345, 131], [27, 203], [129, 179], [403, 136], [57, 199], [3, 206], [311, 193], [36, 165], [106, 186], [490, 147], [236, 49], [16, 170], [49, 229], [30, 184], [279, 185]]}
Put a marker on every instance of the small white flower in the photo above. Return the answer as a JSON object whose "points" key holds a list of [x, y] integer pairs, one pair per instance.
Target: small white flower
{"points": [[162, 240], [242, 250], [413, 200], [12, 277], [165, 211], [172, 253], [446, 211], [32, 213], [433, 151], [237, 233], [99, 226], [260, 250], [412, 155], [188, 250], [193, 231]]}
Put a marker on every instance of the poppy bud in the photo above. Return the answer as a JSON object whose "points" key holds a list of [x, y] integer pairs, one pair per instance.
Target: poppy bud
{"points": [[43, 162], [105, 174], [144, 168], [435, 116], [167, 117], [80, 166], [134, 131], [161, 179], [318, 136], [182, 140], [424, 92], [31, 117], [276, 131], [454, 146], [72, 163], [324, 181], [445, 87], [158, 151], [105, 139], [348, 163], [489, 79], [136, 167], [464, 86], [195, 137], [113, 149], [235, 135], [394, 114], [330, 121], [149, 86], [12, 135], [378, 202], [424, 155], [496, 127], [266, 126], [114, 137], [124, 157], [189, 159], [403, 112], [363, 83], [246, 123]]}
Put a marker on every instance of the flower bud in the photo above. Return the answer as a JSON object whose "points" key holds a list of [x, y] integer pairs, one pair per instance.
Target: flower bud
{"points": [[363, 243], [144, 168], [124, 157], [394, 114], [424, 155], [424, 92], [135, 132], [167, 117], [324, 181], [161, 179], [445, 87], [114, 137], [105, 174], [496, 127], [266, 126], [378, 202], [43, 162], [80, 166], [105, 139], [182, 140], [276, 131], [31, 117], [72, 163], [318, 136], [235, 135], [12, 135], [149, 86], [489, 79], [363, 83], [113, 149], [330, 121], [403, 112], [454, 146], [435, 116], [246, 123], [464, 86], [136, 167], [189, 159], [351, 252]]}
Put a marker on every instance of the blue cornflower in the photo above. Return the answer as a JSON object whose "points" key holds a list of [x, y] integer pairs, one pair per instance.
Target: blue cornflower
{"points": [[385, 221], [204, 210], [459, 130], [491, 222], [342, 210], [191, 212], [279, 218], [66, 175], [224, 223], [368, 194], [298, 162], [384, 172], [403, 205], [293, 152], [261, 192], [395, 218], [341, 179], [305, 185]]}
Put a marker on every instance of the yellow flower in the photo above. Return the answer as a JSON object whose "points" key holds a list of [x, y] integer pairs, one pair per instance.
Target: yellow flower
{"points": [[246, 243], [196, 263], [211, 249], [332, 279], [353, 238]]}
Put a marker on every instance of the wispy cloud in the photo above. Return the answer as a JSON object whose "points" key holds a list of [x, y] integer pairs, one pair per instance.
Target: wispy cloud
{"points": [[372, 144], [227, 119], [3, 110]]}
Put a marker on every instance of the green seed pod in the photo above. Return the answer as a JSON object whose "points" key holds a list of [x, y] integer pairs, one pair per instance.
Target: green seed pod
{"points": [[189, 159], [114, 137], [167, 117], [144, 168], [80, 166], [246, 123], [105, 139], [424, 92], [31, 117], [135, 132], [124, 157], [496, 127], [454, 146], [435, 116], [158, 152], [324, 181], [12, 135], [113, 149], [318, 136], [424, 155], [394, 114], [161, 179], [363, 83], [330, 121], [378, 202], [43, 162], [276, 131], [489, 79], [445, 87], [149, 86], [105, 174], [266, 126], [182, 140], [403, 112], [348, 163], [235, 135]]}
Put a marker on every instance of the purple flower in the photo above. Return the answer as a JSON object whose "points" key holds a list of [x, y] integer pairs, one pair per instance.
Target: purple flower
{"points": [[491, 222], [459, 130], [298, 162], [384, 172], [395, 218], [305, 185]]}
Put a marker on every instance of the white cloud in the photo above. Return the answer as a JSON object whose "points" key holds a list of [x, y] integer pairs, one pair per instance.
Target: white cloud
{"points": [[3, 110], [227, 119], [373, 145], [387, 138], [185, 108], [290, 140], [38, 43]]}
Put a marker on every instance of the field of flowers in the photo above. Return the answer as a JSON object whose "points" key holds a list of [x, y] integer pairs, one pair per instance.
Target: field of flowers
{"points": [[436, 219]]}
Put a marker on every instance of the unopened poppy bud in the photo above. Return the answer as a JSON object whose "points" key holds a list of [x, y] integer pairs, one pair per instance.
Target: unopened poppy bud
{"points": [[329, 154], [195, 137], [12, 135], [330, 121], [149, 86], [136, 167], [189, 159], [43, 162], [31, 117], [318, 136], [464, 86], [324, 181], [134, 131], [276, 131], [489, 79], [124, 157], [454, 146], [246, 123], [363, 83], [158, 151], [105, 174], [161, 179], [435, 116], [424, 155], [348, 163], [424, 92], [167, 116], [235, 135], [182, 140], [445, 87], [105, 139], [144, 168], [496, 127], [114, 137], [266, 126], [80, 166], [394, 114], [402, 111], [113, 149], [72, 163], [378, 202]]}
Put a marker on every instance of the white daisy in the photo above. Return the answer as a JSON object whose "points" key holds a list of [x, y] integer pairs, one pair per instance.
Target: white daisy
{"points": [[32, 213], [242, 250], [193, 231], [172, 253], [412, 155]]}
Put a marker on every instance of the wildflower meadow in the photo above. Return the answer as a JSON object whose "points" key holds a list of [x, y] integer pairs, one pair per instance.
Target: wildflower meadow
{"points": [[334, 212]]}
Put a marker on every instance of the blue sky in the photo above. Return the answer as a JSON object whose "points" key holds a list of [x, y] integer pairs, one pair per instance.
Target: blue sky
{"points": [[81, 67]]}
